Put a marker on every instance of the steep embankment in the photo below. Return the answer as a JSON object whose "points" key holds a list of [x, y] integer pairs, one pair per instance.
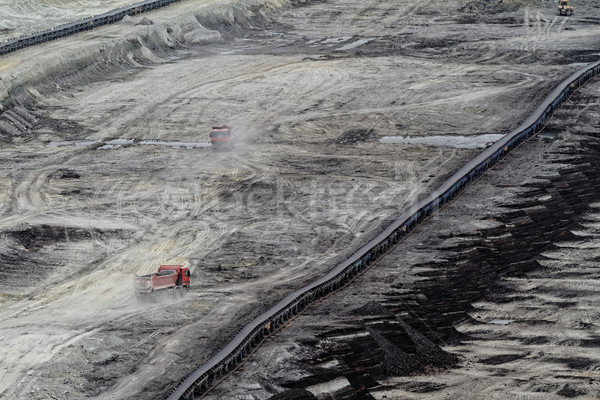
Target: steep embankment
{"points": [[27, 76]]}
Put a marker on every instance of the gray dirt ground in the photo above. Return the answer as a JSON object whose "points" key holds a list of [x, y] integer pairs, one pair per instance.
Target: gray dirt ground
{"points": [[532, 334], [89, 195]]}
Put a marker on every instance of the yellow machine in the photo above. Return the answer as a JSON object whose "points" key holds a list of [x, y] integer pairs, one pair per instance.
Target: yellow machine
{"points": [[564, 7]]}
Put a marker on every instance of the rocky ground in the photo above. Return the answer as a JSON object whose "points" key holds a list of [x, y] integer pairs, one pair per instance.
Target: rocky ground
{"points": [[493, 300], [107, 172]]}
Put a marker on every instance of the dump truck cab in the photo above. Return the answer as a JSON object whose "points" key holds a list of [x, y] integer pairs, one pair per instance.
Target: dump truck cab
{"points": [[183, 274], [168, 280], [564, 7]]}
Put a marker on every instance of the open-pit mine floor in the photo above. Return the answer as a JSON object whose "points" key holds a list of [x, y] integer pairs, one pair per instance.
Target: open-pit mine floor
{"points": [[106, 172], [494, 299]]}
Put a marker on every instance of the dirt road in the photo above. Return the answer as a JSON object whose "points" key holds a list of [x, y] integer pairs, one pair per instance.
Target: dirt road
{"points": [[106, 172]]}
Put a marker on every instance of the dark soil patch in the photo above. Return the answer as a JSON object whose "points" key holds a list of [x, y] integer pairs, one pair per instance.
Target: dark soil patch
{"points": [[502, 358], [18, 121], [36, 237], [570, 392], [294, 394], [579, 363], [424, 387], [534, 340], [356, 135], [66, 174], [590, 343]]}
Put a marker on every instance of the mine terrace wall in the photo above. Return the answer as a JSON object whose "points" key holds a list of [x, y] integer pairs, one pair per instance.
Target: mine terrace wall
{"points": [[81, 25]]}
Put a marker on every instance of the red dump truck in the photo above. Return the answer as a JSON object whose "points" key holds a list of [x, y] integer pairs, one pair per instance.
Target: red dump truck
{"points": [[220, 137], [171, 280]]}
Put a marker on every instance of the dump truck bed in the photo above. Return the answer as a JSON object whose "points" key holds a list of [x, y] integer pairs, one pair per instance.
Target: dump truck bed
{"points": [[156, 281]]}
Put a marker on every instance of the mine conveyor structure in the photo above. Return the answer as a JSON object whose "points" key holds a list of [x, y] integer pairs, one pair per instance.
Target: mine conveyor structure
{"points": [[250, 336], [81, 25]]}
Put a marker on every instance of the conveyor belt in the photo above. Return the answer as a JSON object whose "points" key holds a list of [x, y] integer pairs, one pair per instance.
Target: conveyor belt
{"points": [[81, 25]]}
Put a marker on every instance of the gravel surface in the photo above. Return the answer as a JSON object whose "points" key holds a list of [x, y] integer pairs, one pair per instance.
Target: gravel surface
{"points": [[507, 286], [106, 170]]}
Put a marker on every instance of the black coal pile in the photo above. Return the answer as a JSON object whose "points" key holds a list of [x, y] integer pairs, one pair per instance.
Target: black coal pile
{"points": [[294, 394], [375, 345], [404, 350]]}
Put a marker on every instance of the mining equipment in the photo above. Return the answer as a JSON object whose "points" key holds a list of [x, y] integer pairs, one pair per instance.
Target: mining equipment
{"points": [[564, 7], [220, 137], [173, 280]]}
